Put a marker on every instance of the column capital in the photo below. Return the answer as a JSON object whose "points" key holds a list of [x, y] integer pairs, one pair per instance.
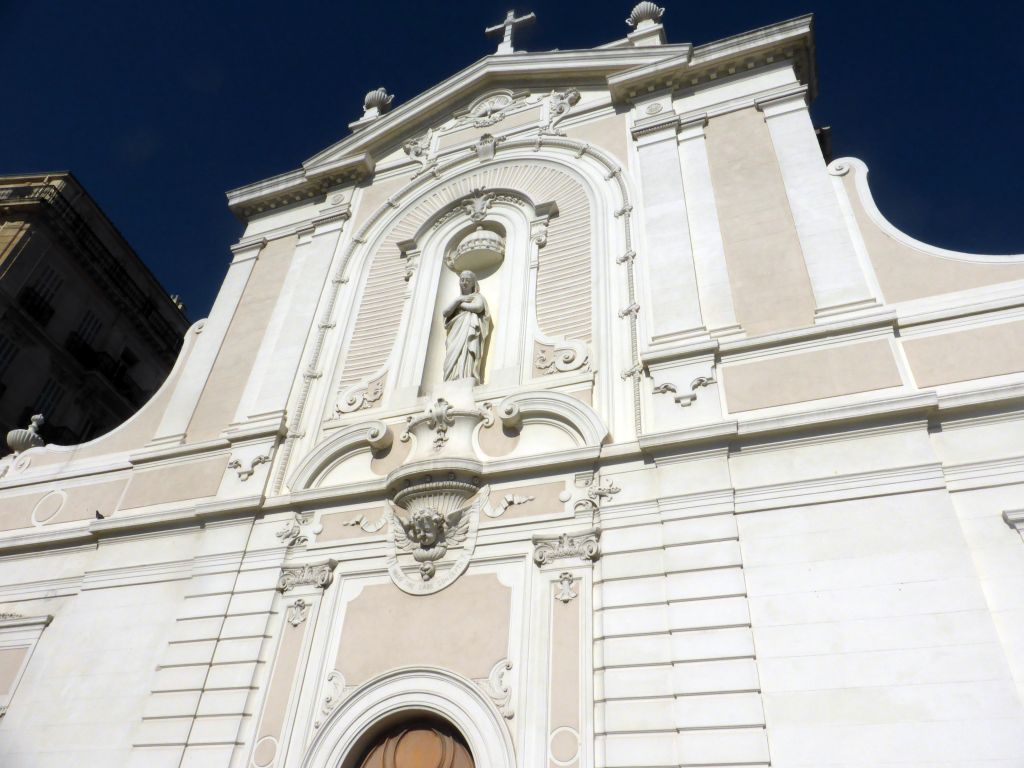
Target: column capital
{"points": [[692, 126], [656, 128], [782, 103]]}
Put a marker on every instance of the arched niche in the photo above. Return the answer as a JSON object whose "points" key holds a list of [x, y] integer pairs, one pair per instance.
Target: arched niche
{"points": [[504, 285], [387, 266], [406, 695]]}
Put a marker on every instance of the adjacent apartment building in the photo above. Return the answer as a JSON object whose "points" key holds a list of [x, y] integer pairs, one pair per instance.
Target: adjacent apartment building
{"points": [[87, 333]]}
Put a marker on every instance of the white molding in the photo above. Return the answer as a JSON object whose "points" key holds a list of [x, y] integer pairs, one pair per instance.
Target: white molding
{"points": [[855, 485], [989, 473], [192, 381], [1015, 519], [837, 277], [407, 691], [340, 445], [545, 406], [843, 165]]}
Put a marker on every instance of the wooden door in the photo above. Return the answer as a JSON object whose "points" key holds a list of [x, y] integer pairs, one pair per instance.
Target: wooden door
{"points": [[419, 745]]}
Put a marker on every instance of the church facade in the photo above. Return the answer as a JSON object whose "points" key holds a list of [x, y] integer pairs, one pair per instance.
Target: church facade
{"points": [[573, 413]]}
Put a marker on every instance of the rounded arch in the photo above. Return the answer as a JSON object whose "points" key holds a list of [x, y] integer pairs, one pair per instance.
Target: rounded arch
{"points": [[376, 264], [408, 693]]}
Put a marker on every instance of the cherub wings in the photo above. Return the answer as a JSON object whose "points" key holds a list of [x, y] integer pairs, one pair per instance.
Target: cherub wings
{"points": [[457, 522], [401, 530]]}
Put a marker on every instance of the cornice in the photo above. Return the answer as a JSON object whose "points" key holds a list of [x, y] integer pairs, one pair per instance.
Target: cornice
{"points": [[24, 622], [298, 186], [1015, 519], [167, 453], [792, 40], [133, 524]]}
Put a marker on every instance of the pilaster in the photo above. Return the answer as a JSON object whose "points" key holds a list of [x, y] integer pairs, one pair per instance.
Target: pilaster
{"points": [[837, 278], [713, 284], [672, 311], [279, 357], [197, 370]]}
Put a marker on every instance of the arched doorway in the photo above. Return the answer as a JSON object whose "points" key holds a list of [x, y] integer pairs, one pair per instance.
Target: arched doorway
{"points": [[418, 744]]}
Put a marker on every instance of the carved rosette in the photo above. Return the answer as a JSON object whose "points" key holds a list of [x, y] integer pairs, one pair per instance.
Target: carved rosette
{"points": [[312, 574]]}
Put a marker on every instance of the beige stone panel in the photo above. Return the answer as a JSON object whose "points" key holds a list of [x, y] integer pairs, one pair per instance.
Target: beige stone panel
{"points": [[545, 501], [463, 628], [339, 526], [813, 375], [223, 390], [276, 707], [515, 120], [177, 482], [565, 677], [84, 501], [770, 287], [583, 395], [992, 350], [393, 456], [498, 440], [374, 196], [16, 511], [11, 660], [68, 505], [905, 273], [608, 133]]}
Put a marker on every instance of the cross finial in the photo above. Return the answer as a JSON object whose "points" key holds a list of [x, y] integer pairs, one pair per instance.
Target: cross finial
{"points": [[506, 27]]}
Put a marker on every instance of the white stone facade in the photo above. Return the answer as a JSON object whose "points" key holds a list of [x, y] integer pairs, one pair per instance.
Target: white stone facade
{"points": [[740, 482]]}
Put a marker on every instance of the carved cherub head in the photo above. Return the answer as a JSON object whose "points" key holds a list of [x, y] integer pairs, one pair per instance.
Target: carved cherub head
{"points": [[467, 282], [427, 527]]}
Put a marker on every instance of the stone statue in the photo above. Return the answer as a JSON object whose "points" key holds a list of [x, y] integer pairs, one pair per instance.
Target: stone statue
{"points": [[467, 322]]}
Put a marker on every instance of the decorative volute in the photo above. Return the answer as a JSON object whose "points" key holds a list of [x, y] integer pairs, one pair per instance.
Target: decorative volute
{"points": [[20, 440]]}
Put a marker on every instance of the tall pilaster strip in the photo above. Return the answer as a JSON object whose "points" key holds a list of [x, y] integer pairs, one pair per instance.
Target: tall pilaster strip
{"points": [[705, 233], [197, 370], [836, 275], [674, 311], [279, 358]]}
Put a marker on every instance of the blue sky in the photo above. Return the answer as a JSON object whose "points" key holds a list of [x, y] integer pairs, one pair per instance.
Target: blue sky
{"points": [[161, 108]]}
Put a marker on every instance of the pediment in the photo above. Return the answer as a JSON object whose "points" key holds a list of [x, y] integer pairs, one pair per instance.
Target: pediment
{"points": [[623, 69], [523, 74]]}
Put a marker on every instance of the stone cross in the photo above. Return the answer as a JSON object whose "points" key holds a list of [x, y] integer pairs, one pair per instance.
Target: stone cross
{"points": [[506, 27]]}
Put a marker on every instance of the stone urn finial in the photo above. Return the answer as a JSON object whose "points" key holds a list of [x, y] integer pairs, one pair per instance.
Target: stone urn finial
{"points": [[377, 102], [20, 440], [645, 14]]}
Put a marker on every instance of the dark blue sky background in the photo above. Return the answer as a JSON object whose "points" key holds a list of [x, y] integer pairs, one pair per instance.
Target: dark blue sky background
{"points": [[159, 108]]}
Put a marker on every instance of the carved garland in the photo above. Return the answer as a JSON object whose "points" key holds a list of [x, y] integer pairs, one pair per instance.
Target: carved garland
{"points": [[580, 149]]}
